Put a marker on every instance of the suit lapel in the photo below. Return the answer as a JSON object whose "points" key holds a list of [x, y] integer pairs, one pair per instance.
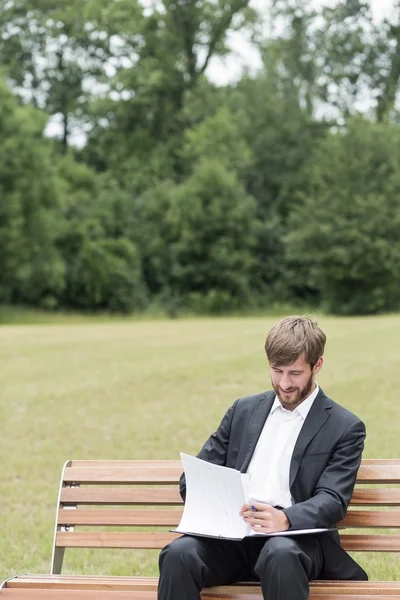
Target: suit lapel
{"points": [[318, 414], [256, 426]]}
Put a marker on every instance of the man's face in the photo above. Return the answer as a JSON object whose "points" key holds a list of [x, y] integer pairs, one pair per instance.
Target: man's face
{"points": [[293, 383]]}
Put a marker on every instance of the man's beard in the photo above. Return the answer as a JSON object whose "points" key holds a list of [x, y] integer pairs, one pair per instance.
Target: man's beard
{"points": [[298, 395]]}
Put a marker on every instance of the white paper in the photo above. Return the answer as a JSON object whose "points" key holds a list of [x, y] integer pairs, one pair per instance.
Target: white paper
{"points": [[294, 531], [214, 497]]}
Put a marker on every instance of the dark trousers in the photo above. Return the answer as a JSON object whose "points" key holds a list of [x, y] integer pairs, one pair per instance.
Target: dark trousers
{"points": [[284, 565]]}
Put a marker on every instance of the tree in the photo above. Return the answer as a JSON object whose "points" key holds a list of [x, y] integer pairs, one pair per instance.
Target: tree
{"points": [[103, 266], [212, 221], [217, 136], [141, 136], [389, 75], [344, 61], [57, 52], [31, 268], [106, 274], [344, 236]]}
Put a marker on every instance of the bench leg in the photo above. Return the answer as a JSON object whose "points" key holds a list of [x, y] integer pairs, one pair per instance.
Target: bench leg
{"points": [[57, 561]]}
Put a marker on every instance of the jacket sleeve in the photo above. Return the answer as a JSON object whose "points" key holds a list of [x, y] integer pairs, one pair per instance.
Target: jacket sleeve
{"points": [[215, 448], [335, 486]]}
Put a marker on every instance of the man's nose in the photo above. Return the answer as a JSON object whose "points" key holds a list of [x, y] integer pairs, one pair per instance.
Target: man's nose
{"points": [[285, 382]]}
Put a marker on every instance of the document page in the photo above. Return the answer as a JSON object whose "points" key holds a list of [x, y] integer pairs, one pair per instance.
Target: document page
{"points": [[214, 496], [293, 532]]}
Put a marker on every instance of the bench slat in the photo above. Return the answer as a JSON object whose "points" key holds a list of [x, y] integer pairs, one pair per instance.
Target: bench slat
{"points": [[157, 540], [343, 596], [226, 593], [377, 461], [371, 543], [388, 472], [84, 582], [150, 584], [381, 496], [370, 471], [100, 517], [171, 518], [39, 594], [371, 518], [123, 475], [110, 539], [165, 463], [141, 464], [94, 495], [17, 594], [170, 496]]}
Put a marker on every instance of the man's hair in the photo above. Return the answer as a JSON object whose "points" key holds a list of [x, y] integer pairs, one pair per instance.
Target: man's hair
{"points": [[293, 336]]}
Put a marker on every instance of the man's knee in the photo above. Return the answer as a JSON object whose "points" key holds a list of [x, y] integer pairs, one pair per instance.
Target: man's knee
{"points": [[281, 546], [174, 552], [182, 554], [277, 553]]}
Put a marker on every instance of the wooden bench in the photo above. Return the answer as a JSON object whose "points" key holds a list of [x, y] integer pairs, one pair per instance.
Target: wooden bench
{"points": [[109, 494]]}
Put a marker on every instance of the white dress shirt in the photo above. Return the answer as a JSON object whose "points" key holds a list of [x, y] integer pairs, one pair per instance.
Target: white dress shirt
{"points": [[270, 464]]}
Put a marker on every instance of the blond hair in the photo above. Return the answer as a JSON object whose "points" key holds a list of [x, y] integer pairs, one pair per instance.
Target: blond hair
{"points": [[293, 336]]}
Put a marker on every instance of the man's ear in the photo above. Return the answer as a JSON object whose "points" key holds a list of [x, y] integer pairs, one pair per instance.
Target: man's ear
{"points": [[318, 365]]}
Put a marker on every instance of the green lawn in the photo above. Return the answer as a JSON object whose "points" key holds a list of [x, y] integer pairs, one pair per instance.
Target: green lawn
{"points": [[149, 390]]}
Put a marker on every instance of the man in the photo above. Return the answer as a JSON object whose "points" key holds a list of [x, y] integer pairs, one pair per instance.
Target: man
{"points": [[302, 451]]}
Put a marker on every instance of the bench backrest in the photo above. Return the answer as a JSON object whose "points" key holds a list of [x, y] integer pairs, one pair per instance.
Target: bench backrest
{"points": [[143, 494]]}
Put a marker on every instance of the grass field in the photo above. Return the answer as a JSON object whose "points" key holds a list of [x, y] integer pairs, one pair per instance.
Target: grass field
{"points": [[149, 390]]}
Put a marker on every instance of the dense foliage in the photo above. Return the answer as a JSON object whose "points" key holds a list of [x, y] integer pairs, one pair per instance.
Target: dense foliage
{"points": [[163, 189]]}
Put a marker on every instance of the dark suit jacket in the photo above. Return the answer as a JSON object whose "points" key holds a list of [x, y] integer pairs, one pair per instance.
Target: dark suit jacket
{"points": [[323, 468]]}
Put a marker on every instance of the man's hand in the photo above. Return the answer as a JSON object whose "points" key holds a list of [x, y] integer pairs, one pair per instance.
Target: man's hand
{"points": [[264, 518]]}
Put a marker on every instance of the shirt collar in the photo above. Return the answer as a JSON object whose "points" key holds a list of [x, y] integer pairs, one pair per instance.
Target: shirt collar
{"points": [[303, 408]]}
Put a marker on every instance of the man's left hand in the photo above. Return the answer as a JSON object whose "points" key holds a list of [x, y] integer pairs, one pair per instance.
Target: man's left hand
{"points": [[265, 518]]}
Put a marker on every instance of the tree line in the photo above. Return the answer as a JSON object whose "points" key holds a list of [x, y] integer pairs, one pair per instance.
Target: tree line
{"points": [[283, 186]]}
